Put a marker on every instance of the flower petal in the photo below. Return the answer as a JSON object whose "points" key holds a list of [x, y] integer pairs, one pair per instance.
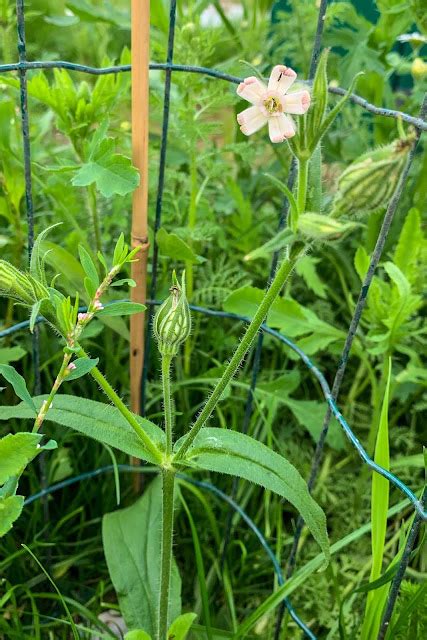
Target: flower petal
{"points": [[251, 120], [281, 78], [251, 89], [297, 102], [280, 128]]}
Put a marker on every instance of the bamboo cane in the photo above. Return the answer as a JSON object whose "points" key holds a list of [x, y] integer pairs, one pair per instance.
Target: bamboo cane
{"points": [[140, 43]]}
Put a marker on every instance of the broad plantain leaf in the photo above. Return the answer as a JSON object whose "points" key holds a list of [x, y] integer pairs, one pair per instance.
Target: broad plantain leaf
{"points": [[239, 455], [10, 510], [97, 420], [16, 451], [132, 547]]}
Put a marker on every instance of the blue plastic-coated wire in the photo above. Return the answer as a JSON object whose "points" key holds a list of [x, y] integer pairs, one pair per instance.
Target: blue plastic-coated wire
{"points": [[397, 580], [399, 484], [159, 200], [212, 73], [198, 483]]}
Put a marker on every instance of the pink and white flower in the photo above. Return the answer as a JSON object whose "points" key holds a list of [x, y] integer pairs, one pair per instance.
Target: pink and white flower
{"points": [[272, 104]]}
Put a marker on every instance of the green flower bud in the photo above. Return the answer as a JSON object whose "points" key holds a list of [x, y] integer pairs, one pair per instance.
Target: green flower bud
{"points": [[368, 183], [172, 322], [20, 286], [316, 226]]}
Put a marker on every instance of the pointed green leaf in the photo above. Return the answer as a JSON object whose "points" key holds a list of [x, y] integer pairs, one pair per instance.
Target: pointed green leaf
{"points": [[172, 246], [181, 626], [19, 385], [88, 266], [82, 367], [121, 309], [10, 510], [96, 420], [239, 455], [35, 311]]}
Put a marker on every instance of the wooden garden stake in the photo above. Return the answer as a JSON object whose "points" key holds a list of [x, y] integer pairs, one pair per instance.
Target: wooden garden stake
{"points": [[140, 46], [140, 116]]}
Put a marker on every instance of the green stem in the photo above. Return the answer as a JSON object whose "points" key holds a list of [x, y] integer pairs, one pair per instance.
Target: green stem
{"points": [[93, 209], [302, 185], [48, 402], [128, 415], [251, 332], [168, 477], [167, 400]]}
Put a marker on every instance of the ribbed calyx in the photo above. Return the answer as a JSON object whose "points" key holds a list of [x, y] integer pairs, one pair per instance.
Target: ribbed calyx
{"points": [[172, 322], [368, 183]]}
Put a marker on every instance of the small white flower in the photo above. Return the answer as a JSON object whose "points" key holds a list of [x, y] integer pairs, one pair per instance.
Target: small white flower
{"points": [[272, 104]]}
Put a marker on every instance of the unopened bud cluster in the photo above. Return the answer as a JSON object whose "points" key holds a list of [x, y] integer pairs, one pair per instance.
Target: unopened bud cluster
{"points": [[172, 322]]}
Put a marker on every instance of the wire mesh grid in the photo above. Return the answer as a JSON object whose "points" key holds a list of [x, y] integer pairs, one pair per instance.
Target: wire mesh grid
{"points": [[23, 66]]}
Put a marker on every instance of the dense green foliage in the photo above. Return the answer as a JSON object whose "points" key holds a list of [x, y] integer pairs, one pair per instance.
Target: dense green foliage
{"points": [[220, 215]]}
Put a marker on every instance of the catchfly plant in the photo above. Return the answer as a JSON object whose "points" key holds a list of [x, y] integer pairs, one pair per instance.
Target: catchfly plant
{"points": [[272, 104]]}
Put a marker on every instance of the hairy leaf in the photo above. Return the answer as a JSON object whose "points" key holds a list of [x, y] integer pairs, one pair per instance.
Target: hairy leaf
{"points": [[96, 420], [239, 455]]}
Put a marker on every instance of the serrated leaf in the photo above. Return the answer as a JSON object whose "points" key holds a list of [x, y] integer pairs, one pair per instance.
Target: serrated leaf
{"points": [[132, 547], [97, 420], [19, 385], [121, 309], [16, 451], [10, 510], [82, 367], [237, 454], [172, 246], [112, 173]]}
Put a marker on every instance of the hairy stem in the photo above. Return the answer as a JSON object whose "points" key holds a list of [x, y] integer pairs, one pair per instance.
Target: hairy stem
{"points": [[167, 400], [48, 402], [128, 415], [253, 328], [168, 478], [302, 185]]}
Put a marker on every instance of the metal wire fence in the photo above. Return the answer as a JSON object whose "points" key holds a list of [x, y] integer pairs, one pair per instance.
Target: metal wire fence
{"points": [[23, 66]]}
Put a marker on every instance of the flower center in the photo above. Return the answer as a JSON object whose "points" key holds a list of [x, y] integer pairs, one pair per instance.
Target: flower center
{"points": [[273, 105]]}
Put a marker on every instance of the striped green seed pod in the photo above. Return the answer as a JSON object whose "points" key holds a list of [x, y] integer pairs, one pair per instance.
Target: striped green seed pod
{"points": [[20, 286], [368, 183], [172, 322]]}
